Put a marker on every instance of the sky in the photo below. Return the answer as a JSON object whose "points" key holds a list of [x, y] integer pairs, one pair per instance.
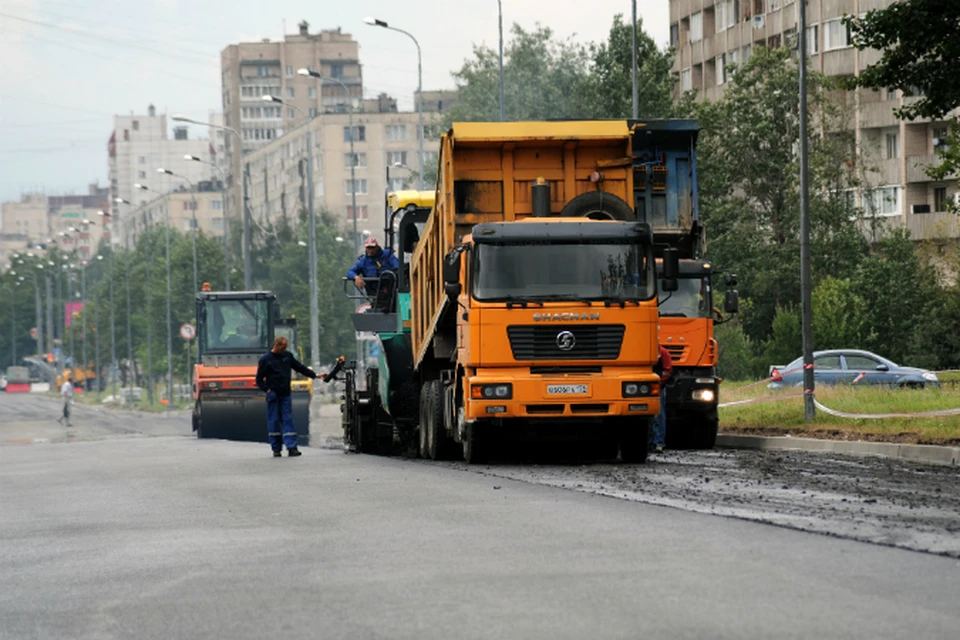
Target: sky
{"points": [[68, 66]]}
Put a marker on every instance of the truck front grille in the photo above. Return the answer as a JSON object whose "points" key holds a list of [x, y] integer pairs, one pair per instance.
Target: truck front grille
{"points": [[677, 351], [590, 342]]}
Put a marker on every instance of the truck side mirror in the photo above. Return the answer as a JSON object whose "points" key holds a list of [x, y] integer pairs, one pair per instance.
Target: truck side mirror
{"points": [[731, 301], [451, 266], [671, 264], [453, 290]]}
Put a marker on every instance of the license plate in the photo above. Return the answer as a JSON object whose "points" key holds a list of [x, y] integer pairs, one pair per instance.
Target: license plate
{"points": [[566, 389]]}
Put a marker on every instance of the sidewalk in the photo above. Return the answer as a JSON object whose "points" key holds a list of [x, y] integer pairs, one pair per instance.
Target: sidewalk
{"points": [[930, 454]]}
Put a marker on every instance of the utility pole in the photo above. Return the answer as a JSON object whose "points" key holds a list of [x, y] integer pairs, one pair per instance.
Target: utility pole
{"points": [[806, 286], [247, 268]]}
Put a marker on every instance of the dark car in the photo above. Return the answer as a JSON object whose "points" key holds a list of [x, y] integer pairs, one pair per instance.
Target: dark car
{"points": [[851, 366]]}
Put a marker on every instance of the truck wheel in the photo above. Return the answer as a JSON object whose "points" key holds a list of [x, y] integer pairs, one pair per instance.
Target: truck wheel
{"points": [[598, 205], [692, 430], [422, 431], [634, 435], [440, 444], [475, 444]]}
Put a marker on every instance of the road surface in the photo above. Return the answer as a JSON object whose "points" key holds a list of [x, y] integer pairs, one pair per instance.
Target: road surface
{"points": [[126, 526]]}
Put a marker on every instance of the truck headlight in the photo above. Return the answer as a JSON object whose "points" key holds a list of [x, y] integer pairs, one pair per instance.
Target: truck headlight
{"points": [[704, 395], [491, 391], [637, 389]]}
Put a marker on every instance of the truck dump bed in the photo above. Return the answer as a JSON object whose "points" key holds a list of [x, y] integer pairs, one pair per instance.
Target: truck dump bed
{"points": [[485, 175]]}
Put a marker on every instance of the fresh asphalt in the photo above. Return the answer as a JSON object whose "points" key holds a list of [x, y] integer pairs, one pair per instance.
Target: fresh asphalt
{"points": [[126, 526]]}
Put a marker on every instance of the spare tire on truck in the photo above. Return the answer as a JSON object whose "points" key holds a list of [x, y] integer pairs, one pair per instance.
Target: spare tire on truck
{"points": [[598, 205]]}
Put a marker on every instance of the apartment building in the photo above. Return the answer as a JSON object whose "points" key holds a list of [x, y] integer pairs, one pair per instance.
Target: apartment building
{"points": [[252, 70], [711, 35], [383, 143], [183, 208], [140, 145]]}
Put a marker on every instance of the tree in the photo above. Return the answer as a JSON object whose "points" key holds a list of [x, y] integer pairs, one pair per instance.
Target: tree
{"points": [[749, 190], [608, 88], [921, 54]]}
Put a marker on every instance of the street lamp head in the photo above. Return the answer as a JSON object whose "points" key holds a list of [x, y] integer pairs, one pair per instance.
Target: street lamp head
{"points": [[373, 22], [339, 239], [301, 243], [166, 171], [179, 117], [99, 257], [142, 187], [103, 213], [51, 263], [189, 157], [272, 99]]}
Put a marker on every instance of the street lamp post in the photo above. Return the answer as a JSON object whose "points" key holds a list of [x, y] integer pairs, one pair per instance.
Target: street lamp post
{"points": [[114, 366], [193, 204], [83, 298], [633, 40], [166, 242], [503, 112], [126, 272], [13, 323], [380, 23], [96, 340], [312, 240], [247, 265], [223, 212]]}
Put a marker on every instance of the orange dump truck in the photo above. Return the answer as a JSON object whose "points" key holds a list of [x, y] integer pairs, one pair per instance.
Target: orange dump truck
{"points": [[534, 292]]}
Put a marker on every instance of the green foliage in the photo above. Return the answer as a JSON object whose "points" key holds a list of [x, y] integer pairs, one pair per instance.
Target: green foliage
{"points": [[839, 315], [786, 342], [737, 359], [546, 78], [749, 187]]}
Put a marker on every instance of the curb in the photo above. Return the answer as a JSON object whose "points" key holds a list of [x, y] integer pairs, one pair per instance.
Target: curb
{"points": [[932, 454]]}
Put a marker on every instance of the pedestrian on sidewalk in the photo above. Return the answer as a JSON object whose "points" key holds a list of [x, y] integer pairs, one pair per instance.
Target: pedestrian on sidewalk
{"points": [[66, 392], [658, 430], [273, 377]]}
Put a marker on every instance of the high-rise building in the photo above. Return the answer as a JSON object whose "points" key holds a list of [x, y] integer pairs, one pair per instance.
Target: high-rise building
{"points": [[252, 70], [138, 147], [711, 35]]}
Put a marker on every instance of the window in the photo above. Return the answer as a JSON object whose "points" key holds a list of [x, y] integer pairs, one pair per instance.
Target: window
{"points": [[686, 80], [826, 362], [939, 137], [356, 187], [696, 27], [141, 174], [336, 70], [126, 134], [836, 35], [721, 62], [291, 114], [940, 199], [361, 212], [727, 12], [813, 44], [359, 160], [891, 94], [396, 157], [216, 205], [397, 184], [313, 112], [429, 158], [882, 201], [289, 71], [893, 145], [674, 35], [142, 159], [359, 134], [291, 92], [136, 125], [396, 132], [864, 363], [774, 5], [312, 92]]}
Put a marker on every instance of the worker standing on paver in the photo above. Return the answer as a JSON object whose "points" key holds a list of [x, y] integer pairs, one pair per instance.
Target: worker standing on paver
{"points": [[66, 392], [273, 377]]}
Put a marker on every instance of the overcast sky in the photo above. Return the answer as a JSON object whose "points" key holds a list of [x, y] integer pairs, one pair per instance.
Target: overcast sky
{"points": [[67, 66]]}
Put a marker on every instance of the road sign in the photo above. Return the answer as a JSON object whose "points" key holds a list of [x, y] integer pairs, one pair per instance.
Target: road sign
{"points": [[188, 331]]}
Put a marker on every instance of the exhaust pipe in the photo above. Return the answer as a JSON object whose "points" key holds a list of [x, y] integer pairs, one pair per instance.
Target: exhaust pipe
{"points": [[541, 198]]}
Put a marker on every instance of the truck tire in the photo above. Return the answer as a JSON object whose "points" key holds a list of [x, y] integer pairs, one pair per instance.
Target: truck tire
{"points": [[598, 205], [422, 431], [440, 444], [634, 435], [476, 443]]}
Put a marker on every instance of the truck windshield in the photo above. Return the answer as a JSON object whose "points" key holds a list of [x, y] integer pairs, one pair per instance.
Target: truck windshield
{"points": [[604, 270], [690, 300], [237, 325]]}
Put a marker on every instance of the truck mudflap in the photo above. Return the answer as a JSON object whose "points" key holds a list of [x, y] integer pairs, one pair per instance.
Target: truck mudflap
{"points": [[692, 419], [613, 394]]}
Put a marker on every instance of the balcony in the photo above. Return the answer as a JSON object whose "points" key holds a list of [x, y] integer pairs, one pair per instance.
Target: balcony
{"points": [[932, 226], [874, 115]]}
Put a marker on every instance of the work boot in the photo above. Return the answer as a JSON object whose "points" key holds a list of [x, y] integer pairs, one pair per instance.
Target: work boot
{"points": [[293, 453], [277, 454]]}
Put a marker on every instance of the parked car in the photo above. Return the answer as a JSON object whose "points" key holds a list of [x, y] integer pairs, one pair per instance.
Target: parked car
{"points": [[851, 366]]}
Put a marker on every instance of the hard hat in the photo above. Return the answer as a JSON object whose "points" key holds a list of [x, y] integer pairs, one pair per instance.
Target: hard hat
{"points": [[371, 242]]}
